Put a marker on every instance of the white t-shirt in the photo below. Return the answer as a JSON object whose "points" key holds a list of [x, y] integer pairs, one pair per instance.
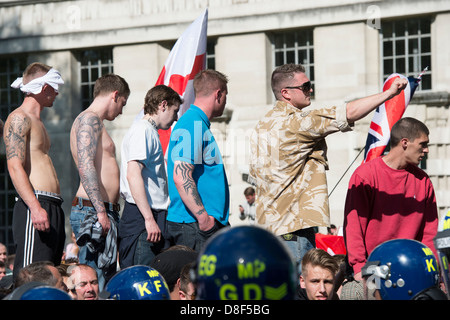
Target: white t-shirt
{"points": [[141, 143]]}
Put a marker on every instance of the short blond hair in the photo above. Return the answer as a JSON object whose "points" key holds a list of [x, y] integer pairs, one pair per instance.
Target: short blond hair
{"points": [[35, 70], [207, 81], [319, 258]]}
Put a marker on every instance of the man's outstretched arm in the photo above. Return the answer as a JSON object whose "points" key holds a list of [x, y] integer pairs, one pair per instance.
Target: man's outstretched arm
{"points": [[360, 108]]}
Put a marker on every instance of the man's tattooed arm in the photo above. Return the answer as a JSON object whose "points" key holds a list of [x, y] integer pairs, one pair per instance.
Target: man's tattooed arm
{"points": [[16, 134], [187, 188], [88, 131], [186, 184]]}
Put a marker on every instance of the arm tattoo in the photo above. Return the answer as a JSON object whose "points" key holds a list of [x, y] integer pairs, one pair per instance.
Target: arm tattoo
{"points": [[185, 170], [199, 212], [16, 137], [88, 131]]}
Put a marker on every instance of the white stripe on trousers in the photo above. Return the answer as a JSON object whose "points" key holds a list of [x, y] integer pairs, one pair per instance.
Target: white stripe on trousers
{"points": [[29, 241]]}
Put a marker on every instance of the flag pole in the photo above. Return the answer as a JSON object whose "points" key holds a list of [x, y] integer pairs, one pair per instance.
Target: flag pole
{"points": [[346, 171], [422, 73]]}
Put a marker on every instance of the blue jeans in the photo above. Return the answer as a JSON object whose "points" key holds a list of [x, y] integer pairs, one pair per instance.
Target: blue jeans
{"points": [[77, 215], [302, 241]]}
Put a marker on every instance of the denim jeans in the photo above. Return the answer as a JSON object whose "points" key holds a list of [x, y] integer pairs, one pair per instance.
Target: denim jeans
{"points": [[77, 215], [302, 241]]}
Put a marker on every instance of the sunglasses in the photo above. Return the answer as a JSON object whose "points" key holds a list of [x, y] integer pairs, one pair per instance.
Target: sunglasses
{"points": [[306, 87]]}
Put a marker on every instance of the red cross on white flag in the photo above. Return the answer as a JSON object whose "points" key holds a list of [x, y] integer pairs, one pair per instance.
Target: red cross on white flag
{"points": [[185, 60]]}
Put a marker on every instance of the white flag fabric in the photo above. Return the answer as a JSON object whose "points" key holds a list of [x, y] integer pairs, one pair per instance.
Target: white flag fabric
{"points": [[185, 60]]}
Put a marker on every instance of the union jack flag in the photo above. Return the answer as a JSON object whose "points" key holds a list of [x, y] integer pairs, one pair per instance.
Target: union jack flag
{"points": [[386, 115]]}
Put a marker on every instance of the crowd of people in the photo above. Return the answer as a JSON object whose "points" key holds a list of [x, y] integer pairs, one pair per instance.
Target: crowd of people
{"points": [[173, 239]]}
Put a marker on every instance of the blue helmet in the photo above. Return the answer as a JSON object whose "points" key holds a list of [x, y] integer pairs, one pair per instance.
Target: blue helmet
{"points": [[403, 269], [137, 283], [45, 293], [245, 263]]}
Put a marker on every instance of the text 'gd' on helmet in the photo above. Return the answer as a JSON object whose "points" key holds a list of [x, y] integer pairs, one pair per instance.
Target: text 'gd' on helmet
{"points": [[245, 263]]}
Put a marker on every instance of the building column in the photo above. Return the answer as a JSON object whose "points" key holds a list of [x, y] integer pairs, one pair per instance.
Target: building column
{"points": [[249, 69]]}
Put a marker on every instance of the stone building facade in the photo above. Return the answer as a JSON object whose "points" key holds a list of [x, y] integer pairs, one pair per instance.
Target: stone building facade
{"points": [[347, 46]]}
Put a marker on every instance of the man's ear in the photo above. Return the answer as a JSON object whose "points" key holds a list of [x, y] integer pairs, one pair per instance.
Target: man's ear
{"points": [[404, 143], [218, 95], [115, 95], [163, 105], [285, 94], [302, 282], [45, 87], [180, 292]]}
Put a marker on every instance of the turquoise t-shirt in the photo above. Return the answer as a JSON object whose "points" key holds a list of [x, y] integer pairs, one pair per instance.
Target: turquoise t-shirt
{"points": [[192, 141]]}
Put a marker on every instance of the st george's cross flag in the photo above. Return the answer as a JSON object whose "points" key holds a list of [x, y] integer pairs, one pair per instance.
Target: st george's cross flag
{"points": [[185, 60], [386, 115]]}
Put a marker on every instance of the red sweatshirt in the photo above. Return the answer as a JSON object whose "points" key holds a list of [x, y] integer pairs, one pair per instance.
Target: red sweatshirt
{"points": [[383, 204]]}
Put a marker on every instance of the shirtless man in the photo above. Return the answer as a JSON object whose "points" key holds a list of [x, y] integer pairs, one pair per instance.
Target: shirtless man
{"points": [[94, 154], [38, 219]]}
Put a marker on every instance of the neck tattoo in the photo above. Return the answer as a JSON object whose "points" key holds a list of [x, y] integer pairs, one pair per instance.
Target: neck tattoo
{"points": [[153, 123]]}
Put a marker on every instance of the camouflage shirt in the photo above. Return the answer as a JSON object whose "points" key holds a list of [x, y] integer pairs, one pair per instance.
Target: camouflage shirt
{"points": [[287, 165]]}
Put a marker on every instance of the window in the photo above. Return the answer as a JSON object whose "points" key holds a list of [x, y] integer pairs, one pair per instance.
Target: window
{"points": [[211, 53], [93, 64], [406, 49], [295, 47], [10, 99]]}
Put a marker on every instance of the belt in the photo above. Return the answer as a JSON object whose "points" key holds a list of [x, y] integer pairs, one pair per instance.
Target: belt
{"points": [[87, 203], [293, 236], [289, 237]]}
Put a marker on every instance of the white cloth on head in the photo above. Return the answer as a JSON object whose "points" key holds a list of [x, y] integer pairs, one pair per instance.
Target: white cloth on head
{"points": [[52, 78]]}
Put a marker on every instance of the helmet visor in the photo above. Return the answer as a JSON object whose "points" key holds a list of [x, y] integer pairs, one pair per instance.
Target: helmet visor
{"points": [[442, 244]]}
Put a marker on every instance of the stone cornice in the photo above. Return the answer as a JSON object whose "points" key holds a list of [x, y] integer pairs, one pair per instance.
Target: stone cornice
{"points": [[61, 25]]}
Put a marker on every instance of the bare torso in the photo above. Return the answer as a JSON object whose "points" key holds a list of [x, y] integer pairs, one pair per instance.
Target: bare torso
{"points": [[106, 167], [37, 163]]}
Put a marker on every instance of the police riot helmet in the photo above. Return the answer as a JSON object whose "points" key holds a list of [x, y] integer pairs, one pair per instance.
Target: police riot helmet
{"points": [[442, 244], [245, 263], [45, 293], [403, 269], [137, 282]]}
